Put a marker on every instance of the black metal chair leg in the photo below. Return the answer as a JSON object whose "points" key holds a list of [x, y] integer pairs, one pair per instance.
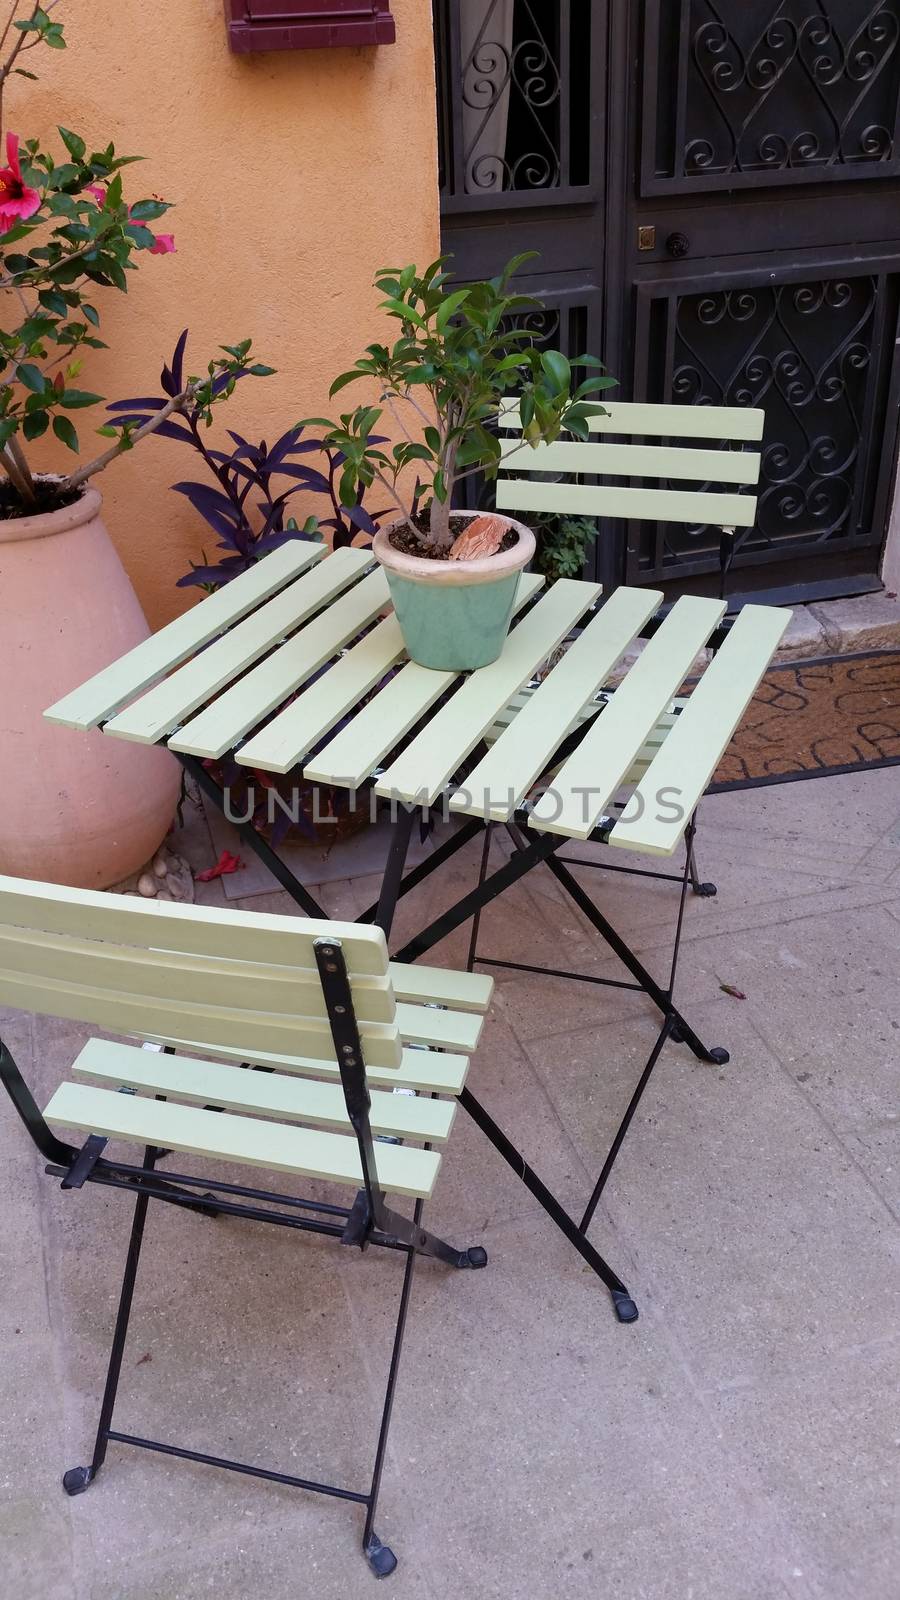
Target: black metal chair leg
{"points": [[380, 1557], [77, 1479]]}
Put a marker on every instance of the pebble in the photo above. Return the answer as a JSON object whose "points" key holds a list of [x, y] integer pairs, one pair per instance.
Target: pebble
{"points": [[147, 885]]}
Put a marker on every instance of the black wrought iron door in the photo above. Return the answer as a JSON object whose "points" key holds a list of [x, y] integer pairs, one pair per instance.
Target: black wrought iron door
{"points": [[522, 103], [760, 255], [714, 187]]}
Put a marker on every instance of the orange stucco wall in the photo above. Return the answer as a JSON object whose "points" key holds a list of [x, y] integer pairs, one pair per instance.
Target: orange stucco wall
{"points": [[296, 175]]}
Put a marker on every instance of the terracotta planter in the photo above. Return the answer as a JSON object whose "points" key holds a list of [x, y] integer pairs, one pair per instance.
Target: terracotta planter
{"points": [[75, 808], [454, 615]]}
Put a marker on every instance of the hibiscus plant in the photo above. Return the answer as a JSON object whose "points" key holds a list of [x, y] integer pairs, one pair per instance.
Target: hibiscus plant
{"points": [[67, 232], [460, 354]]}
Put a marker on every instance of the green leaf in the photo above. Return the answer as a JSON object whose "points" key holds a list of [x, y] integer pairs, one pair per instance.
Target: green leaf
{"points": [[399, 308], [7, 429], [32, 377], [260, 370], [557, 368], [73, 143], [35, 424], [142, 237], [75, 399], [449, 307], [113, 194], [148, 210], [64, 430], [343, 380], [91, 313]]}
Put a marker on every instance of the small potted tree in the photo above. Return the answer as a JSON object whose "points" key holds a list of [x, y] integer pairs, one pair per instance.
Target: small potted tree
{"points": [[461, 352]]}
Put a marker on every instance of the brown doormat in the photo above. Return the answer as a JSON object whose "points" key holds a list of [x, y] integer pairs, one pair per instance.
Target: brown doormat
{"points": [[813, 719]]}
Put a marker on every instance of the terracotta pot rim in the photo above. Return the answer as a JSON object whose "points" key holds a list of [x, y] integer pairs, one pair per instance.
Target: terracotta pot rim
{"points": [[46, 523], [485, 569]]}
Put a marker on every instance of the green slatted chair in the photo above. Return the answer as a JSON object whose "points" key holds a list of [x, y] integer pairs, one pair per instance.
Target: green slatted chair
{"points": [[714, 454], [202, 996], [550, 479]]}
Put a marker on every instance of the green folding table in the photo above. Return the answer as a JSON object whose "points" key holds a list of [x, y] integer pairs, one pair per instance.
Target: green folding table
{"points": [[298, 666]]}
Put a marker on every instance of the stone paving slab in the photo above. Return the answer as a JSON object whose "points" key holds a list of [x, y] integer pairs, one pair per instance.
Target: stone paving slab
{"points": [[737, 1443]]}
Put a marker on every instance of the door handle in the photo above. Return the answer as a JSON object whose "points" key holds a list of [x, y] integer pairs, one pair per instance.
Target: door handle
{"points": [[678, 244]]}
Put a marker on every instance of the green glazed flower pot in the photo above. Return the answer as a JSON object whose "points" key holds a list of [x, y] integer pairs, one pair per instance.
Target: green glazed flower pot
{"points": [[454, 615]]}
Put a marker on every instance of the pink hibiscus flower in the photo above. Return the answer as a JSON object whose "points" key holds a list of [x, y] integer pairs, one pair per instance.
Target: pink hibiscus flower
{"points": [[17, 201], [164, 246]]}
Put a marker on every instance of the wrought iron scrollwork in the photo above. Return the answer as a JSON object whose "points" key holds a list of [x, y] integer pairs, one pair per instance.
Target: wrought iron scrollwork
{"points": [[775, 87], [803, 352], [518, 74], [514, 95]]}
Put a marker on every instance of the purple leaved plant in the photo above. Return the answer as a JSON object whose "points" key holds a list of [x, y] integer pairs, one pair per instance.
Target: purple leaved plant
{"points": [[247, 503]]}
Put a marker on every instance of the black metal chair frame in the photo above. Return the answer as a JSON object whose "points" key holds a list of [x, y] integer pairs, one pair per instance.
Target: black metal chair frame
{"points": [[531, 850], [368, 1221]]}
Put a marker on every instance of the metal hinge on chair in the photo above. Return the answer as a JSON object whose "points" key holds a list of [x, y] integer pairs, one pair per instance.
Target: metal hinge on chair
{"points": [[358, 1226], [84, 1162]]}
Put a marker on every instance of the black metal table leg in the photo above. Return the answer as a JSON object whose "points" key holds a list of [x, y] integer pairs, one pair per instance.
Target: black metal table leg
{"points": [[398, 850], [625, 1307]]}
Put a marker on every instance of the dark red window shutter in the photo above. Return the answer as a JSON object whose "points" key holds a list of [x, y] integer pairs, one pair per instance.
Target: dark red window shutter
{"points": [[315, 25]]}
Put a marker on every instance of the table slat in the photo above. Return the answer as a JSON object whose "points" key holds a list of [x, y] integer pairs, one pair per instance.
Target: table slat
{"points": [[523, 750], [588, 780], [248, 701], [354, 753], [689, 756], [107, 691], [424, 767], [163, 708], [288, 737]]}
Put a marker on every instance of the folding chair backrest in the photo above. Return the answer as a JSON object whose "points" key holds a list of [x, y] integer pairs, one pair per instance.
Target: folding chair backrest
{"points": [[230, 978], [664, 464]]}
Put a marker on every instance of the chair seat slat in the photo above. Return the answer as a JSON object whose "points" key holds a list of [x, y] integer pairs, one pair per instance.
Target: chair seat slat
{"points": [[247, 702], [590, 777], [522, 752], [433, 1071], [287, 738], [354, 753], [103, 694], [161, 709], [689, 756], [442, 1029], [462, 991], [273, 1094], [435, 754], [402, 1169]]}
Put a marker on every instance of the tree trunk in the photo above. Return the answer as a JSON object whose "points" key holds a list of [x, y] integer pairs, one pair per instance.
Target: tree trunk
{"points": [[439, 535]]}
